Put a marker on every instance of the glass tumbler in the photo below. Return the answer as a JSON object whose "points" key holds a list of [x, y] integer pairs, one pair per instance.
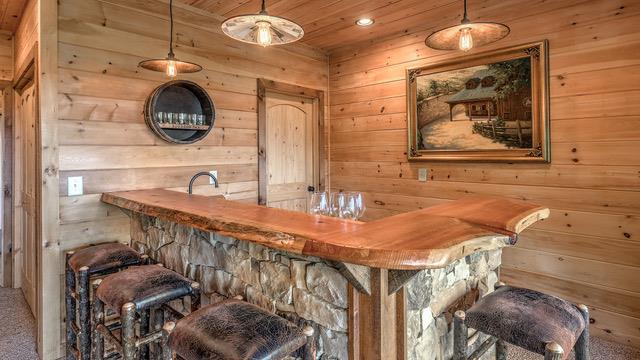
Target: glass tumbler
{"points": [[319, 203]]}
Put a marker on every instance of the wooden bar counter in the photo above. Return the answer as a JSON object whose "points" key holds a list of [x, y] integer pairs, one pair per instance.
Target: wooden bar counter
{"points": [[366, 286]]}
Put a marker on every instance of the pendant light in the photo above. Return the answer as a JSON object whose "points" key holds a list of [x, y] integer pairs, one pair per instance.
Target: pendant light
{"points": [[467, 35], [170, 65], [262, 29]]}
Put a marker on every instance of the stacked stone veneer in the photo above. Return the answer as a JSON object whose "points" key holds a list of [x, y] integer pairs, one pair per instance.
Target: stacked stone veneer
{"points": [[308, 289], [430, 294]]}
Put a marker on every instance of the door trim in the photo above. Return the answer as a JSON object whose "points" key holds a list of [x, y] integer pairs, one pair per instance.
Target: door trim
{"points": [[317, 96], [6, 240], [25, 76]]}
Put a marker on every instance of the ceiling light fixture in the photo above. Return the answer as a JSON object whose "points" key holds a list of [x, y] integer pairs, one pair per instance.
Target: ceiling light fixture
{"points": [[262, 29], [170, 65], [365, 22], [467, 35]]}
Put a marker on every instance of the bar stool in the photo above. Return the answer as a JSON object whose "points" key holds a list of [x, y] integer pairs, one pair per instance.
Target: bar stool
{"points": [[232, 330], [537, 322], [81, 266], [134, 294]]}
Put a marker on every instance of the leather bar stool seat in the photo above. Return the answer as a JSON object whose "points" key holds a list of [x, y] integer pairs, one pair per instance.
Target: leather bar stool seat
{"points": [[141, 295], [234, 329], [532, 320], [104, 256], [527, 318], [82, 266], [144, 286]]}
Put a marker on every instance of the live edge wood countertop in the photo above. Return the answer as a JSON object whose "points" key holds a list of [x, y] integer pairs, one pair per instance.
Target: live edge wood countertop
{"points": [[426, 238]]}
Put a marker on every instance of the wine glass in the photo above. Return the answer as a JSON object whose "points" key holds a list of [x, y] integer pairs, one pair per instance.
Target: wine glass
{"points": [[319, 204], [359, 206]]}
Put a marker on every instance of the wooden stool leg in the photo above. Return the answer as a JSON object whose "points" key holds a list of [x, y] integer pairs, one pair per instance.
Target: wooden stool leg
{"points": [[310, 346], [128, 318], [167, 354], [195, 296], [70, 309], [144, 330], [553, 351], [582, 345], [460, 333], [97, 347], [83, 312], [501, 350]]}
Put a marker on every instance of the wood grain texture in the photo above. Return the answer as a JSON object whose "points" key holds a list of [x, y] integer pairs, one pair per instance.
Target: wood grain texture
{"points": [[429, 238], [592, 184], [100, 97]]}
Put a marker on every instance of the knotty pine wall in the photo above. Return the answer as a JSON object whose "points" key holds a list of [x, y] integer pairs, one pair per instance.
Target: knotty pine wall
{"points": [[589, 250], [102, 133]]}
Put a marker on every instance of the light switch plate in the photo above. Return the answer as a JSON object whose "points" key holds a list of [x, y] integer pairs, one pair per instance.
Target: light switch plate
{"points": [[74, 186], [215, 174], [422, 174]]}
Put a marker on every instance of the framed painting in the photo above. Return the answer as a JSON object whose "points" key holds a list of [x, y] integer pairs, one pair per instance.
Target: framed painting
{"points": [[492, 106]]}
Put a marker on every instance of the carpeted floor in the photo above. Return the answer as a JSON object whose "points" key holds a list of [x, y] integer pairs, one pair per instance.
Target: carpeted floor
{"points": [[18, 328], [600, 350], [18, 335]]}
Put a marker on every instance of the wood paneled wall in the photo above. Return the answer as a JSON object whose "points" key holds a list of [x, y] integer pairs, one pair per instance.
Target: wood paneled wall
{"points": [[589, 250], [102, 134]]}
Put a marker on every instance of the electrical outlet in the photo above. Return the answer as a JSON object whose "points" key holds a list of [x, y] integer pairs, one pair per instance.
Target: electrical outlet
{"points": [[74, 185], [422, 174], [215, 174]]}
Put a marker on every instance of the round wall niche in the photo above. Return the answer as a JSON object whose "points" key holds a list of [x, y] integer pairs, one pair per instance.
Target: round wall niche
{"points": [[180, 112]]}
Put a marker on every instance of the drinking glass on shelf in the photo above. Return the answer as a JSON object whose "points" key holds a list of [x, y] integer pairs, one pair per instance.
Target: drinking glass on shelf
{"points": [[160, 117], [193, 119], [182, 117], [200, 119], [169, 118], [319, 204]]}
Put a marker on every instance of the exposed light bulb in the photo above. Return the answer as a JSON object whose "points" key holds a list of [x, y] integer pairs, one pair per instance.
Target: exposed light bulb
{"points": [[263, 37], [171, 68], [466, 40]]}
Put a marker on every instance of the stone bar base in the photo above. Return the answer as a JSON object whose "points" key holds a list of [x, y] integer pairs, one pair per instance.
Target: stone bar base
{"points": [[312, 290]]}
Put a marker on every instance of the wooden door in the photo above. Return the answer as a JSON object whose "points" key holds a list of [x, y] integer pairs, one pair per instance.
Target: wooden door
{"points": [[26, 180], [289, 134]]}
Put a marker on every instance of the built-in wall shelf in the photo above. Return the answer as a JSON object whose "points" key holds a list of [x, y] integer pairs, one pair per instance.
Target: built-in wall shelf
{"points": [[180, 112]]}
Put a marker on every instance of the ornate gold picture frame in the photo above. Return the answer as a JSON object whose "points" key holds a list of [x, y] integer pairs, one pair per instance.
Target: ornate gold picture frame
{"points": [[492, 106]]}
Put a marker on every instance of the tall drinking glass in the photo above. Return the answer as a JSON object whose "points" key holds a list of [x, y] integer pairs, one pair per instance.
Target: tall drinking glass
{"points": [[319, 204]]}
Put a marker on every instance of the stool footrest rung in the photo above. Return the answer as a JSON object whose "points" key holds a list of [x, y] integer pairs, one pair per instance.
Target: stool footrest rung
{"points": [[483, 348]]}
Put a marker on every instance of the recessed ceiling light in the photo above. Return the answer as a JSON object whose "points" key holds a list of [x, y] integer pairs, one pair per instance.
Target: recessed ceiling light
{"points": [[365, 22]]}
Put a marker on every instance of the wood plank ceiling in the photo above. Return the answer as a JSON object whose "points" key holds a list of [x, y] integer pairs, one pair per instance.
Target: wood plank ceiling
{"points": [[330, 24], [10, 11]]}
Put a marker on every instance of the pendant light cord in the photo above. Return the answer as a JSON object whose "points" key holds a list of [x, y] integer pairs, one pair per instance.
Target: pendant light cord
{"points": [[171, 55], [465, 19], [264, 5]]}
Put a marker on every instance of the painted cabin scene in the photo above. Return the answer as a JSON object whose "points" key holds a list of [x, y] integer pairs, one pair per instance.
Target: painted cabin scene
{"points": [[477, 108]]}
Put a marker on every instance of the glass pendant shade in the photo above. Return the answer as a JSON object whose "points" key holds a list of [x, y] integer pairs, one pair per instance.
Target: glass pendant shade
{"points": [[262, 29], [467, 35], [170, 65]]}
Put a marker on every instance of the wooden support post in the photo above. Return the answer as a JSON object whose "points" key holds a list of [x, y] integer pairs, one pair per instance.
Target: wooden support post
{"points": [[582, 345], [375, 321]]}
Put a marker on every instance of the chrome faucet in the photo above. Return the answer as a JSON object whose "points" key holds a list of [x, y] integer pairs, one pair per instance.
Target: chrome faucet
{"points": [[204, 173]]}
